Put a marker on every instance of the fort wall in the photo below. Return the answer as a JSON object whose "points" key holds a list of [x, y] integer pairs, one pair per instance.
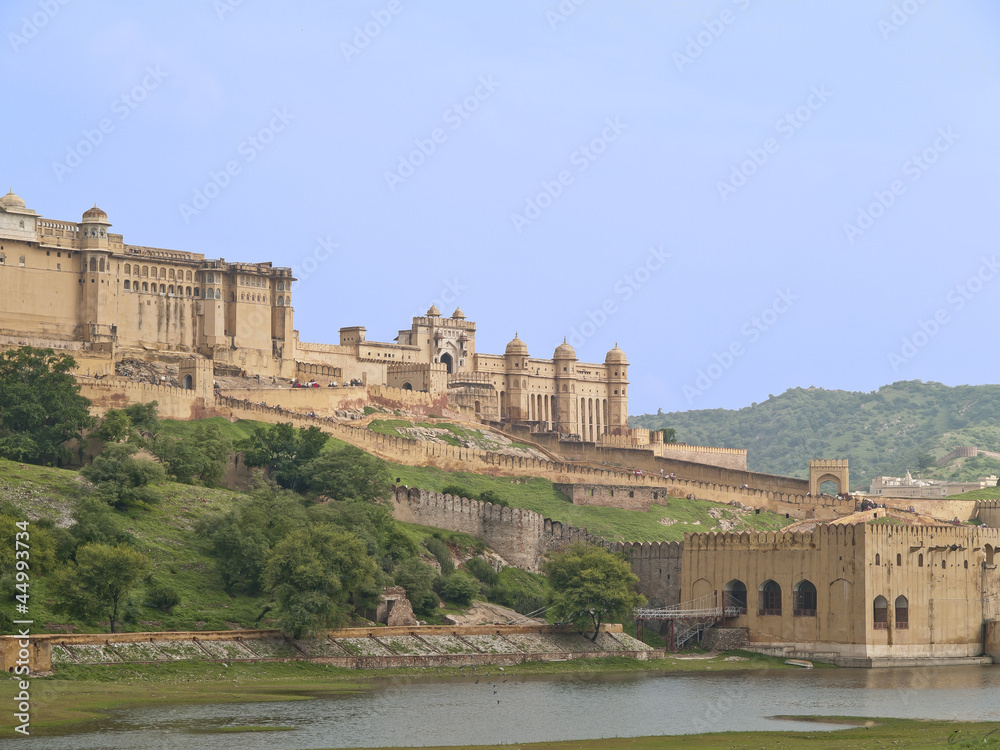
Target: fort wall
{"points": [[523, 538]]}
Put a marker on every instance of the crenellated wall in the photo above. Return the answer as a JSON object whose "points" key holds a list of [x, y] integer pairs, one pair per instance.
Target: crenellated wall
{"points": [[988, 511], [524, 538]]}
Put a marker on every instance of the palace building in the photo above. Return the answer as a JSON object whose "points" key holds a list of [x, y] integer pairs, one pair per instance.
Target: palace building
{"points": [[77, 286]]}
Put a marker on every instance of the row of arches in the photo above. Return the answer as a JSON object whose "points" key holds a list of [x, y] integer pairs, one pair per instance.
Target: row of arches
{"points": [[591, 419], [805, 602], [769, 602], [180, 291], [880, 613], [155, 273]]}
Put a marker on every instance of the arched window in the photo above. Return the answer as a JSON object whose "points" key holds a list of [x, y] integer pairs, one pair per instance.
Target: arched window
{"points": [[735, 595], [145, 287], [920, 560], [880, 613], [145, 271], [197, 292], [878, 560], [102, 265], [93, 264], [281, 301], [128, 268], [218, 294], [804, 599], [170, 289], [188, 277], [172, 274], [944, 564], [899, 560], [902, 613], [770, 598], [127, 285], [187, 290]]}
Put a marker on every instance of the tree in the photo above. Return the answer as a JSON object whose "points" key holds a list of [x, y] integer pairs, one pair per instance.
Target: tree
{"points": [[243, 539], [669, 434], [418, 580], [40, 405], [100, 582], [284, 450], [459, 588], [318, 575], [202, 456], [349, 474], [122, 480], [590, 585], [116, 427]]}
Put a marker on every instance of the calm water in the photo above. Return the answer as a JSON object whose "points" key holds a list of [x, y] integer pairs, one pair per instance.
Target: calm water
{"points": [[552, 708]]}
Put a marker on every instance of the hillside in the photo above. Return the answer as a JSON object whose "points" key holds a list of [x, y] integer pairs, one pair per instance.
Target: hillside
{"points": [[906, 425]]}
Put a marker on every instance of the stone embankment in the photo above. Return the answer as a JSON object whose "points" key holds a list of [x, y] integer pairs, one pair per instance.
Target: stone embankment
{"points": [[353, 648]]}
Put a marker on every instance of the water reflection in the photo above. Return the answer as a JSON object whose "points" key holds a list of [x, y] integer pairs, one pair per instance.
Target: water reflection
{"points": [[510, 708]]}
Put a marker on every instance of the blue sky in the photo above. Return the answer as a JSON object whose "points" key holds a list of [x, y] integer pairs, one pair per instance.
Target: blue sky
{"points": [[747, 196]]}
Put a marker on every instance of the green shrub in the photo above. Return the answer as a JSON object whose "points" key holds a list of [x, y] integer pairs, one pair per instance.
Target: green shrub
{"points": [[440, 550], [163, 597], [457, 491], [482, 570], [418, 580], [459, 588]]}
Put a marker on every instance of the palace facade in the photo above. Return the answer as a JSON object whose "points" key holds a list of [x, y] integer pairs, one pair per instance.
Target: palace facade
{"points": [[77, 286]]}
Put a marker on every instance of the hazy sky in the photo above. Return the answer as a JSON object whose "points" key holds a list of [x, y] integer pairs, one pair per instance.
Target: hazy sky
{"points": [[747, 195]]}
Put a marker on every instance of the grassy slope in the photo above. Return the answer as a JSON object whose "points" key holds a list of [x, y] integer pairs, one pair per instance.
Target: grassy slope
{"points": [[541, 496], [165, 533], [182, 560]]}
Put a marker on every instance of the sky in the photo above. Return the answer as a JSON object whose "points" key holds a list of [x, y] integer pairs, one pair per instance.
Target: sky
{"points": [[746, 195]]}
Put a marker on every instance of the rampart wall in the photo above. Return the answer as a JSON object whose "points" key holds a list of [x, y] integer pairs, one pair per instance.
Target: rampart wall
{"points": [[524, 538], [325, 402], [988, 511]]}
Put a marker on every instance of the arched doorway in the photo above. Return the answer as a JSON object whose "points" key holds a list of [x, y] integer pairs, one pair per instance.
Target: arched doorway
{"points": [[449, 362], [187, 383], [736, 595], [407, 386]]}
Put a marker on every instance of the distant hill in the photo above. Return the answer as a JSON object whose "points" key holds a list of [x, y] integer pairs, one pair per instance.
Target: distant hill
{"points": [[906, 425]]}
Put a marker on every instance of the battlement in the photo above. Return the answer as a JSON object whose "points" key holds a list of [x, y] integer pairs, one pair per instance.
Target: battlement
{"points": [[823, 535], [827, 463]]}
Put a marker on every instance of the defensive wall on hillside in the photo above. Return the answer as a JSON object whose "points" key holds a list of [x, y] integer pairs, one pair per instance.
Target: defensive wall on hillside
{"points": [[965, 451], [178, 403], [523, 537], [621, 466]]}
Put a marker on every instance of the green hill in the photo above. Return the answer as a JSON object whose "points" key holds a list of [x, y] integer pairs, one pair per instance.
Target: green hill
{"points": [[906, 425]]}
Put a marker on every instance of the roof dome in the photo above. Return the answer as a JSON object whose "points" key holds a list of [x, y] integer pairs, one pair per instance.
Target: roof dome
{"points": [[433, 312], [517, 347], [95, 214], [564, 351], [458, 314], [12, 201], [615, 356]]}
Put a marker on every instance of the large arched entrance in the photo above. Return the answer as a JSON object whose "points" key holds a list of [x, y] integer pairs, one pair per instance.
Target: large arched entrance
{"points": [[447, 360], [187, 382], [829, 471]]}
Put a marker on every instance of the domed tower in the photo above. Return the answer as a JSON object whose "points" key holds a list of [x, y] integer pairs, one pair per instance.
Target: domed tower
{"points": [[564, 407], [95, 267], [514, 401], [617, 373]]}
